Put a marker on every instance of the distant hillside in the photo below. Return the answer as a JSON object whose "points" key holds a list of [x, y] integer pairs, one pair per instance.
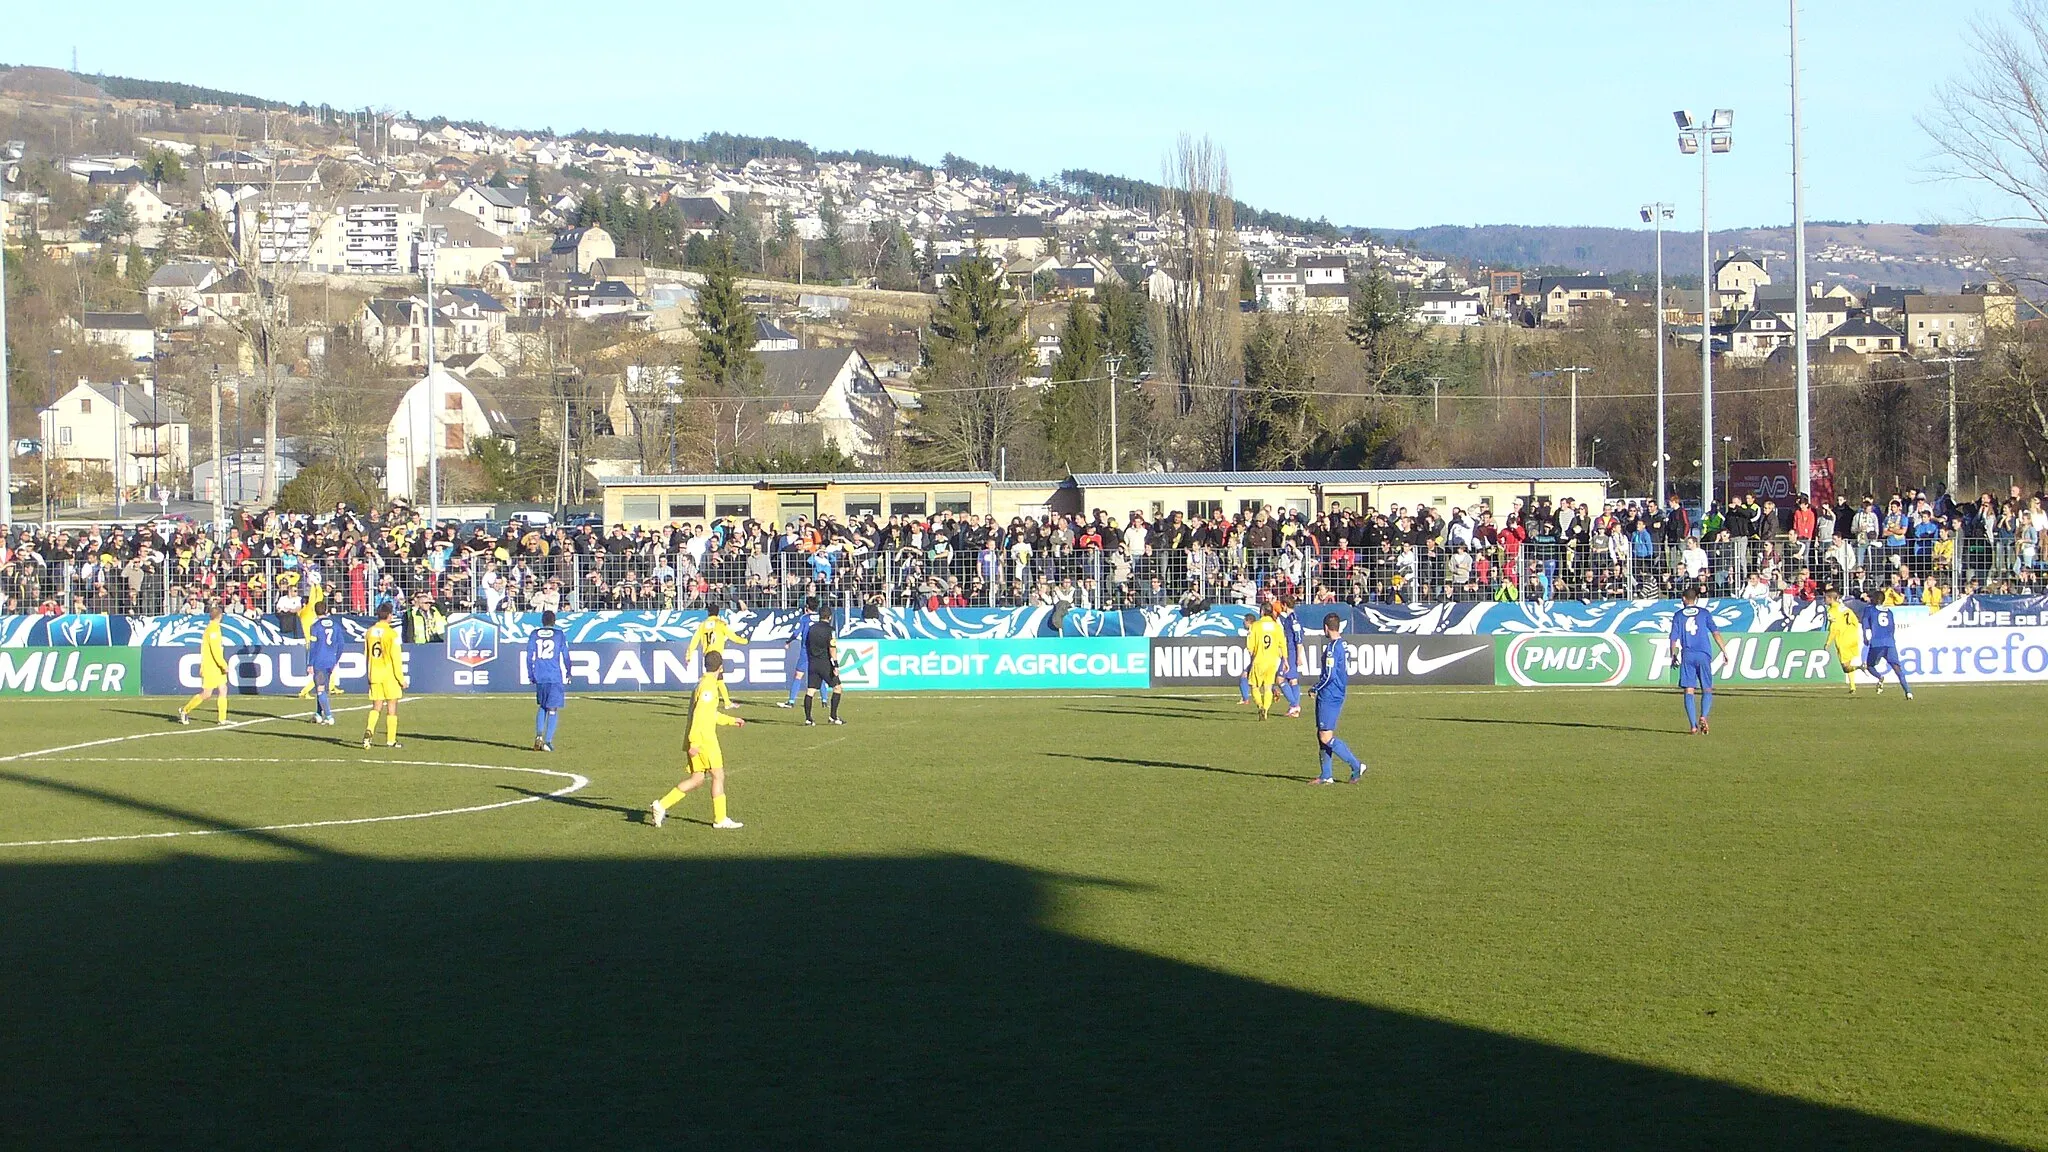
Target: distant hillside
{"points": [[1939, 258]]}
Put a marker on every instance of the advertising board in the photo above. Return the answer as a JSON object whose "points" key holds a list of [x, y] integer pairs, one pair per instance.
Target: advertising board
{"points": [[70, 672], [1566, 659], [470, 663], [1378, 659], [975, 665], [1935, 655]]}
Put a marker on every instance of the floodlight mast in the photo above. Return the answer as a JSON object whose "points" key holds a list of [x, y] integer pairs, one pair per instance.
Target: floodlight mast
{"points": [[1715, 137]]}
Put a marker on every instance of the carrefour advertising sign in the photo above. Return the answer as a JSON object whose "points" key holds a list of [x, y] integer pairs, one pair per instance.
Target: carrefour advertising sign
{"points": [[1973, 655], [1592, 660], [70, 672], [964, 665]]}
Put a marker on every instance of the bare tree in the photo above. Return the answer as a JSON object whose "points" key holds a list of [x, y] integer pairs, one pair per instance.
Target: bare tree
{"points": [[1990, 128], [1200, 338]]}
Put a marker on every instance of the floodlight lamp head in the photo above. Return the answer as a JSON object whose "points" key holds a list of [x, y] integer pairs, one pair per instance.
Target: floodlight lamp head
{"points": [[1724, 119], [1723, 144], [1687, 144], [1646, 215], [1684, 119]]}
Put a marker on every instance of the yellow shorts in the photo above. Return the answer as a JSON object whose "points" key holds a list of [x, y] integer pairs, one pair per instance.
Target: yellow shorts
{"points": [[382, 690], [1848, 649], [707, 759], [1265, 671], [209, 680]]}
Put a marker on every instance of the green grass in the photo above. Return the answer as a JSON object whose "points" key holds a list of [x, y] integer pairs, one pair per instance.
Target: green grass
{"points": [[1121, 920]]}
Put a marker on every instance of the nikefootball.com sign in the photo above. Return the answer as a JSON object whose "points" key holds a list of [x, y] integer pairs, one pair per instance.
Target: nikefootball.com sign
{"points": [[1384, 659]]}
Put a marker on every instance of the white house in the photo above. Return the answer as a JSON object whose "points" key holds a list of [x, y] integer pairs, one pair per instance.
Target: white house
{"points": [[128, 331], [442, 414], [1736, 280], [833, 390], [1455, 309], [1760, 333], [1281, 290], [502, 210], [177, 286], [86, 423]]}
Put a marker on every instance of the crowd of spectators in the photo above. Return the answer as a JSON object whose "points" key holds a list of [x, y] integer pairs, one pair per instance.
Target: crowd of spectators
{"points": [[1908, 548]]}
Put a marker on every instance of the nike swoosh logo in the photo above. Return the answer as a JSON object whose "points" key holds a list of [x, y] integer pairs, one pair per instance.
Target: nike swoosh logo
{"points": [[1418, 665]]}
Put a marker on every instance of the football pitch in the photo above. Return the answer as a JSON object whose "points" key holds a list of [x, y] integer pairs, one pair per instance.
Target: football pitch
{"points": [[1544, 920]]}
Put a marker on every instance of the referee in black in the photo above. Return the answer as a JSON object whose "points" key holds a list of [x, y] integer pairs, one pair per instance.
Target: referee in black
{"points": [[821, 649]]}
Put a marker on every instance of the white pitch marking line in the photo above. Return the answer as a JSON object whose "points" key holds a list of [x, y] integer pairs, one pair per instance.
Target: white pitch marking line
{"points": [[180, 730], [576, 783]]}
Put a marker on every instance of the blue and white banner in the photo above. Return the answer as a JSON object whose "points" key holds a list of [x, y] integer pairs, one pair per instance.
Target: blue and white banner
{"points": [[774, 626]]}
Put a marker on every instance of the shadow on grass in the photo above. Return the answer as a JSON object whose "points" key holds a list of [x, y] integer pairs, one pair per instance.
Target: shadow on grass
{"points": [[633, 815], [1551, 724], [1131, 763], [922, 1002], [1154, 713]]}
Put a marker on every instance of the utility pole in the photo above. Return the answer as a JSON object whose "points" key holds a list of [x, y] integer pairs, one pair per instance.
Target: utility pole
{"points": [[220, 474], [7, 160], [121, 410], [1115, 363], [433, 398], [1656, 214], [1805, 402], [1954, 457], [1436, 396], [1572, 457]]}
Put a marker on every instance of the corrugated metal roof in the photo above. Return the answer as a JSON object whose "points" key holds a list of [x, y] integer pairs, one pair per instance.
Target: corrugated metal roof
{"points": [[1338, 477], [798, 479]]}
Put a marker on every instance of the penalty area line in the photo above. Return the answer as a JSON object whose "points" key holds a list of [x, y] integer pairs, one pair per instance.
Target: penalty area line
{"points": [[576, 783]]}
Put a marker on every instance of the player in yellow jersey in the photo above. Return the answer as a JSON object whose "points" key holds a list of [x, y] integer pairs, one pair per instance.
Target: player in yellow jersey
{"points": [[386, 660], [712, 636], [706, 759], [1267, 643], [213, 670], [309, 609], [1845, 637]]}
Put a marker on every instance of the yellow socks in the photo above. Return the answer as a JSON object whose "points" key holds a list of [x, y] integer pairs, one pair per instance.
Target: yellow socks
{"points": [[718, 809], [391, 728], [370, 729], [674, 797], [220, 708], [193, 704]]}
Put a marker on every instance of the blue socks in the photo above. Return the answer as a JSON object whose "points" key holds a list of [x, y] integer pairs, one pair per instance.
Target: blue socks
{"points": [[1244, 689], [544, 724], [1706, 703], [553, 719], [320, 702], [1340, 751], [1292, 691], [1692, 710], [796, 688]]}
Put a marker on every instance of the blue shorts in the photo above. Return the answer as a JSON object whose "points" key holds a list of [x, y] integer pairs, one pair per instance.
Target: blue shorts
{"points": [[1885, 653], [324, 675], [1696, 672], [549, 696], [1327, 713]]}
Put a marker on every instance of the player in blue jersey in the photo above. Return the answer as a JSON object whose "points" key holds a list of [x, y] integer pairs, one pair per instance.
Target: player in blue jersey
{"points": [[1290, 672], [1330, 690], [797, 653], [1695, 642], [1881, 640], [324, 640], [547, 665]]}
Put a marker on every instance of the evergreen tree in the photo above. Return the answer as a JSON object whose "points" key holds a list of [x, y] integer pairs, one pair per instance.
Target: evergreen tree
{"points": [[726, 364], [1279, 418], [1073, 410], [1399, 357], [972, 406]]}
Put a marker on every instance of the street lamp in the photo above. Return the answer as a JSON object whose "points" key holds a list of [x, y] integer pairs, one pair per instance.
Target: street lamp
{"points": [[1655, 215], [1954, 459], [1704, 140], [9, 154], [1593, 458]]}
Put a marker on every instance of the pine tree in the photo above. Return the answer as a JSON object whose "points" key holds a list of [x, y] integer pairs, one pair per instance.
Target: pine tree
{"points": [[726, 364], [972, 405]]}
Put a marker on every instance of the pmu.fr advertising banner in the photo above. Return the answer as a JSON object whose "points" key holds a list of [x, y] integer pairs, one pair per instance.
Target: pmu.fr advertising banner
{"points": [[973, 665], [1377, 659], [70, 672], [1557, 659], [1973, 655]]}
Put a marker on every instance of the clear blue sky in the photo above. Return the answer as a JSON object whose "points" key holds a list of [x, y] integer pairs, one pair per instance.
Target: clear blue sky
{"points": [[1372, 112]]}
